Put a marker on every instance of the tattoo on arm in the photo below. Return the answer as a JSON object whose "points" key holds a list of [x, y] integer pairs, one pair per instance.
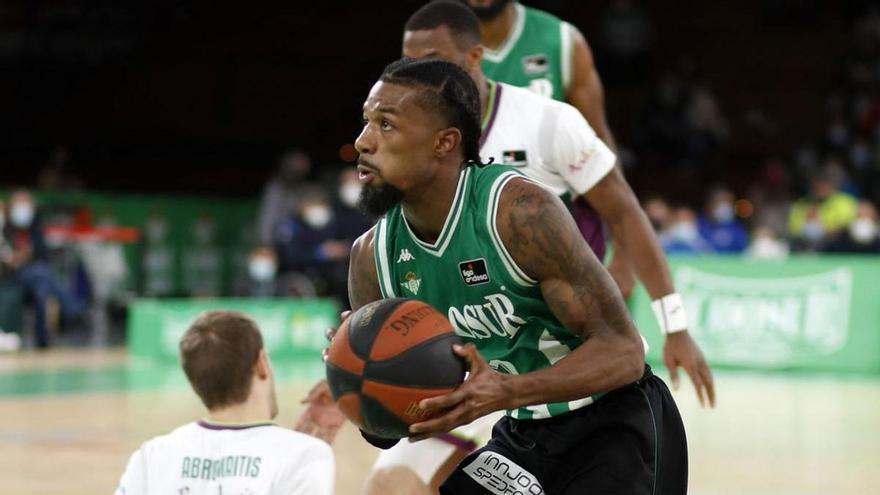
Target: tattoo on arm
{"points": [[540, 234], [363, 281]]}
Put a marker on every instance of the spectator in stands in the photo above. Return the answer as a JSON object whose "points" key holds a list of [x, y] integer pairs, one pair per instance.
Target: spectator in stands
{"points": [[659, 213], [770, 198], [281, 193], [683, 236], [766, 244], [822, 214], [719, 226], [27, 259], [352, 222], [314, 243], [9, 341], [861, 236], [263, 268]]}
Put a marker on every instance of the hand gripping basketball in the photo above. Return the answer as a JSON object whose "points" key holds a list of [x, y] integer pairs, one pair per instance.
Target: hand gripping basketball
{"points": [[386, 358], [484, 391]]}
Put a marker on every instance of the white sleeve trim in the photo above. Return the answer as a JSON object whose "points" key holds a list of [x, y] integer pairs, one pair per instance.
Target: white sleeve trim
{"points": [[566, 54], [517, 273]]}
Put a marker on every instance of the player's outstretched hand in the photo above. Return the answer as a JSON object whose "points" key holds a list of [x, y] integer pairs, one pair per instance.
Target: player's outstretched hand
{"points": [[681, 350], [321, 419], [483, 392]]}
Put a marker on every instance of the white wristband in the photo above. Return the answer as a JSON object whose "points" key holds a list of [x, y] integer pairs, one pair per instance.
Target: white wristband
{"points": [[670, 313]]}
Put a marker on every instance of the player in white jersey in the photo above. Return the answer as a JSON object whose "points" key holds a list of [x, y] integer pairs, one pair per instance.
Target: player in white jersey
{"points": [[236, 449]]}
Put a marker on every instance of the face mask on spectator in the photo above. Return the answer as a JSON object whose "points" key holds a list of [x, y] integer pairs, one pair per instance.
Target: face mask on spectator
{"points": [[349, 193], [813, 230], [262, 269], [21, 214], [723, 213], [317, 216], [685, 232], [767, 247], [863, 230]]}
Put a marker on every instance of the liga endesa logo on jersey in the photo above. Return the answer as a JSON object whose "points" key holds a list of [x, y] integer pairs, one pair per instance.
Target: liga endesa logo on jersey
{"points": [[474, 272]]}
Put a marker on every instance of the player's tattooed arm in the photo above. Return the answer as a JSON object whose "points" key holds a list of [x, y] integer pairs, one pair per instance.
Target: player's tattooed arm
{"points": [[544, 241], [363, 280]]}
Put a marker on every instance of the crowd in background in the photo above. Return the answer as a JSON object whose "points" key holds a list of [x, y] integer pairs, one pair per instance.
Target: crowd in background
{"points": [[822, 197]]}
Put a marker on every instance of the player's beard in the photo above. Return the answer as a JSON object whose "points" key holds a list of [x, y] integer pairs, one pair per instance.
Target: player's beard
{"points": [[490, 12], [376, 201]]}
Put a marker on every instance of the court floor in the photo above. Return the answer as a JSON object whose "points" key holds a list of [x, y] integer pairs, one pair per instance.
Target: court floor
{"points": [[70, 419]]}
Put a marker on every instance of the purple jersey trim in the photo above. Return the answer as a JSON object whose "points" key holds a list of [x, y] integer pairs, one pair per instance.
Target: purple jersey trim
{"points": [[590, 224], [466, 445], [485, 135]]}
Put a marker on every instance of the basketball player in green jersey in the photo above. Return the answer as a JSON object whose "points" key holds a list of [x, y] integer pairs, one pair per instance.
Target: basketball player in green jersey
{"points": [[549, 338], [530, 48], [533, 49]]}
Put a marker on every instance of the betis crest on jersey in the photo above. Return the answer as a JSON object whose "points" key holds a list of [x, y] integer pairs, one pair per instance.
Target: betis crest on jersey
{"points": [[412, 283]]}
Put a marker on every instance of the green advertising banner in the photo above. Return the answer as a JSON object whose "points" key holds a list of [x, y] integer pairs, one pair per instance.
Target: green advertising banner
{"points": [[291, 328], [803, 313]]}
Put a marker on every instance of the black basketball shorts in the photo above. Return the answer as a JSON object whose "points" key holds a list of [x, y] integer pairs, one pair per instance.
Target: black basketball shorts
{"points": [[629, 442]]}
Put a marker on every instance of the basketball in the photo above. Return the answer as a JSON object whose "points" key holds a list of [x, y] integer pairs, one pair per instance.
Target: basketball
{"points": [[387, 357]]}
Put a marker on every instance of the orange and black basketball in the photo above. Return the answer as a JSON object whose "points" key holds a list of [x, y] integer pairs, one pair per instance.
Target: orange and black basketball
{"points": [[386, 358]]}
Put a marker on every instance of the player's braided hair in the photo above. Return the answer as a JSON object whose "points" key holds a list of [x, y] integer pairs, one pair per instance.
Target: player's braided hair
{"points": [[450, 90]]}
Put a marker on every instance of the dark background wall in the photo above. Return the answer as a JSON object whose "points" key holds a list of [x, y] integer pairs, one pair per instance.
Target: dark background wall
{"points": [[164, 95]]}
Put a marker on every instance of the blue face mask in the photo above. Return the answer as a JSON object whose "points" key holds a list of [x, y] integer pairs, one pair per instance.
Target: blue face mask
{"points": [[723, 213], [813, 230], [21, 215]]}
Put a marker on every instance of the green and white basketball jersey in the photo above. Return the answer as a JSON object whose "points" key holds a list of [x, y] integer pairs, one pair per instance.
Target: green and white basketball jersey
{"points": [[537, 54], [468, 274]]}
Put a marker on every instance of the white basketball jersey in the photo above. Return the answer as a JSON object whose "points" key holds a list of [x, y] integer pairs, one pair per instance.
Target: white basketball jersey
{"points": [[204, 458], [549, 140]]}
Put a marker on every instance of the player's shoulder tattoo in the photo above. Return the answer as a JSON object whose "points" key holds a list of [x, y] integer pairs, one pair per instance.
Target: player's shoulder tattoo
{"points": [[544, 241]]}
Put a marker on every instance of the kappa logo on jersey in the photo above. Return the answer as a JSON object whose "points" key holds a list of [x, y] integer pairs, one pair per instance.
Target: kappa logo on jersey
{"points": [[405, 256], [517, 158], [536, 64], [474, 272], [412, 283]]}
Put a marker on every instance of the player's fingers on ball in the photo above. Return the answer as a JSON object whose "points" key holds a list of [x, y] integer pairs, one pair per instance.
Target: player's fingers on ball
{"points": [[344, 315], [436, 425], [442, 401], [329, 333]]}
